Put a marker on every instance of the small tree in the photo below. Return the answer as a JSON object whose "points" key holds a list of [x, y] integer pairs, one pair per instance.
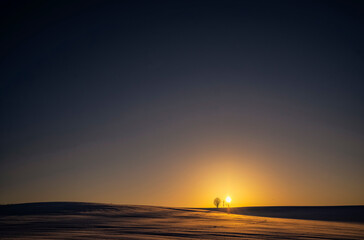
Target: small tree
{"points": [[217, 202]]}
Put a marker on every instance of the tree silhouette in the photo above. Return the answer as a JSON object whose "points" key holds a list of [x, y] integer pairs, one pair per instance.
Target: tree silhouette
{"points": [[217, 202]]}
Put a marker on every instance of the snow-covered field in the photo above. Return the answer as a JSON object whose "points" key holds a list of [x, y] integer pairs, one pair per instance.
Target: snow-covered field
{"points": [[101, 221]]}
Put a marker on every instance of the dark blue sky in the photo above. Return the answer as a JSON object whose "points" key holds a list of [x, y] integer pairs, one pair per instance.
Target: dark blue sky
{"points": [[95, 92]]}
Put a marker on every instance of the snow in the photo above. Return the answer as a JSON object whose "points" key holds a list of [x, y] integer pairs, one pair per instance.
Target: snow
{"points": [[101, 221]]}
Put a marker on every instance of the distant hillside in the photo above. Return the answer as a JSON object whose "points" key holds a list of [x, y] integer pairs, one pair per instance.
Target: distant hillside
{"points": [[41, 208], [326, 213]]}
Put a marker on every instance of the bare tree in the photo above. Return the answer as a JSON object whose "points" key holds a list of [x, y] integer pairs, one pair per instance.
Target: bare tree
{"points": [[217, 202]]}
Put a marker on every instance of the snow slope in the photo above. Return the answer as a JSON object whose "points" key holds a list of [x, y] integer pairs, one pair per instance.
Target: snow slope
{"points": [[101, 221]]}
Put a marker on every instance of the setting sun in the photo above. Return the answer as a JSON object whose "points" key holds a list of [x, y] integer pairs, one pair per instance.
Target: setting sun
{"points": [[228, 199]]}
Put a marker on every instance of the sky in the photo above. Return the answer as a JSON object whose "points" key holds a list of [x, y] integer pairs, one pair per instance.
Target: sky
{"points": [[174, 103]]}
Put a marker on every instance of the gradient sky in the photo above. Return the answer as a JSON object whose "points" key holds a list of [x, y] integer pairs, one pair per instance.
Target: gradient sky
{"points": [[177, 102]]}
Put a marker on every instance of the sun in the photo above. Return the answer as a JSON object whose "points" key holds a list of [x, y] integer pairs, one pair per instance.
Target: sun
{"points": [[228, 199]]}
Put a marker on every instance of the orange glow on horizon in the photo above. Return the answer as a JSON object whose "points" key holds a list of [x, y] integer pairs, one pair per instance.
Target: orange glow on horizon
{"points": [[195, 177]]}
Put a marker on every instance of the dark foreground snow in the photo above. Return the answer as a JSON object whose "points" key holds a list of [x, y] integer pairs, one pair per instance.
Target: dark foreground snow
{"points": [[100, 221]]}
